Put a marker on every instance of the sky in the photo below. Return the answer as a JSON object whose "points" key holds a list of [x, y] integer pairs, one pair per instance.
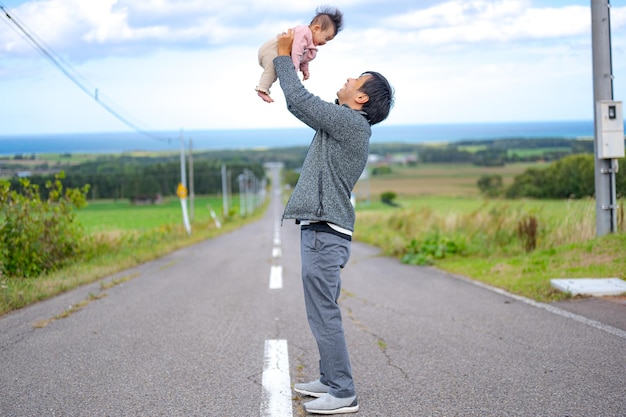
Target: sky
{"points": [[192, 64]]}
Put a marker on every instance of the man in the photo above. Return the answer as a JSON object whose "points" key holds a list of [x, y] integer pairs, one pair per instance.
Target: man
{"points": [[321, 204]]}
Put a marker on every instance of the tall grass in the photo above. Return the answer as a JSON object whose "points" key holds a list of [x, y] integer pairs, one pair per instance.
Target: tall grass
{"points": [[516, 245], [491, 227]]}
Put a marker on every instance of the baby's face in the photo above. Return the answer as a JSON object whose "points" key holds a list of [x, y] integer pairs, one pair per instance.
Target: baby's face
{"points": [[320, 37]]}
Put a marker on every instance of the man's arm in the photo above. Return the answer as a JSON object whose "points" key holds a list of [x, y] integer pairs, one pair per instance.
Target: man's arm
{"points": [[310, 109]]}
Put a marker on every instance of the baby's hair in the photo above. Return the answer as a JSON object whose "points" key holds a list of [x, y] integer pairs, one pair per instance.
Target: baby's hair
{"points": [[327, 17]]}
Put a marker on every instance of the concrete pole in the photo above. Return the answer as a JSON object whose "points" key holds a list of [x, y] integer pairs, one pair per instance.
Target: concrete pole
{"points": [[242, 196], [183, 181], [183, 174], [191, 187], [602, 90], [224, 192]]}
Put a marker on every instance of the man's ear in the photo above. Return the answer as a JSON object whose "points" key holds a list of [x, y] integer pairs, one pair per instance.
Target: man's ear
{"points": [[362, 98]]}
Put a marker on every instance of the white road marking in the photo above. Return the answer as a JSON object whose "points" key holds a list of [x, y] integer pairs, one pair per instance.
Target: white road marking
{"points": [[276, 277], [276, 400], [554, 310], [276, 253]]}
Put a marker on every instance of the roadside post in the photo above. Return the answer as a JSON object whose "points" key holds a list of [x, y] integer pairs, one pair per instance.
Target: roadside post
{"points": [[608, 120], [181, 192]]}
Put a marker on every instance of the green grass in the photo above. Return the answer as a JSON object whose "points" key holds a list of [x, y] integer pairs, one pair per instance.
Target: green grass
{"points": [[133, 240], [527, 152], [122, 215], [472, 148], [530, 274], [493, 253]]}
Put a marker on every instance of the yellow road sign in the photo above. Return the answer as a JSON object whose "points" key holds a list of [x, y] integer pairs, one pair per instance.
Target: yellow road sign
{"points": [[181, 191]]}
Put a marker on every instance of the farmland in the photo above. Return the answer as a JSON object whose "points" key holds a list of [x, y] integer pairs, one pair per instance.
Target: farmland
{"points": [[436, 205], [438, 179]]}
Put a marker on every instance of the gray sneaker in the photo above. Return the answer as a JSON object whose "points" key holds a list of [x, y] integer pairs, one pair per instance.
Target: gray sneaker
{"points": [[327, 404], [313, 388]]}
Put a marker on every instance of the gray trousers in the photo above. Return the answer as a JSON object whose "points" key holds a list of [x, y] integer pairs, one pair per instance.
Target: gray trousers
{"points": [[323, 255]]}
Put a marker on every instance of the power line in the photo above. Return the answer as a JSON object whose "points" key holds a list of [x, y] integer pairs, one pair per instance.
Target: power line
{"points": [[72, 74]]}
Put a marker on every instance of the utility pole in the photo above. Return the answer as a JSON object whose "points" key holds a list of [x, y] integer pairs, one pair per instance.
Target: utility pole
{"points": [[224, 192], [608, 144], [191, 188], [182, 187]]}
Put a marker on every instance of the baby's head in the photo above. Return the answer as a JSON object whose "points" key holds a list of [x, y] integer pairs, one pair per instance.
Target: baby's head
{"points": [[328, 21]]}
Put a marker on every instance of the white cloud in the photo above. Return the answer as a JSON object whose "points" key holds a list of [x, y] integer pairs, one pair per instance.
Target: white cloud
{"points": [[192, 64], [458, 22]]}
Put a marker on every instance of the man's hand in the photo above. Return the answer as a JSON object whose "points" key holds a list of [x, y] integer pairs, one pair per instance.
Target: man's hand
{"points": [[285, 41]]}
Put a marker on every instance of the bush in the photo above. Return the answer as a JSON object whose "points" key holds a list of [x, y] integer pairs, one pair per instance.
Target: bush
{"points": [[527, 231], [490, 185], [434, 246], [37, 236], [381, 170], [388, 197]]}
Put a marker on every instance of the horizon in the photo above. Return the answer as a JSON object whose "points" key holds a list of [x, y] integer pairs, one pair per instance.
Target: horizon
{"points": [[116, 142], [382, 126]]}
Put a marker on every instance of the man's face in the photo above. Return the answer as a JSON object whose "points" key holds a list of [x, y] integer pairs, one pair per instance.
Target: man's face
{"points": [[350, 90]]}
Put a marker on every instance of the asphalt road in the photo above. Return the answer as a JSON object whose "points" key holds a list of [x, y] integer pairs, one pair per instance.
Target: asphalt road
{"points": [[187, 336]]}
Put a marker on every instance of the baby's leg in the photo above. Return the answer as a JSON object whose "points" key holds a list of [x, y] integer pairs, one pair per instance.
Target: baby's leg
{"points": [[267, 53], [266, 97]]}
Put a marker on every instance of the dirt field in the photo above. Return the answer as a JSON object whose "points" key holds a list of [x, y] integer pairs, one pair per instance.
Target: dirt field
{"points": [[457, 180]]}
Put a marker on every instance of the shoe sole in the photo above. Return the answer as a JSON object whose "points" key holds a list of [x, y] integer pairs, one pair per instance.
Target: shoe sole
{"points": [[342, 410], [309, 393]]}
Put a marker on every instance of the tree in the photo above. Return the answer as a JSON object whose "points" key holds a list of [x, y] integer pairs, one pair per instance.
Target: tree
{"points": [[528, 184], [490, 185], [570, 177]]}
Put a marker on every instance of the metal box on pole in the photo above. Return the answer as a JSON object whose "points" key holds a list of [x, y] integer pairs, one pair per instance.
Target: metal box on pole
{"points": [[610, 129]]}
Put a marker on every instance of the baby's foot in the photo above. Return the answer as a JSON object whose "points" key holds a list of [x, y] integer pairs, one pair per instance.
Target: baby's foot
{"points": [[266, 97]]}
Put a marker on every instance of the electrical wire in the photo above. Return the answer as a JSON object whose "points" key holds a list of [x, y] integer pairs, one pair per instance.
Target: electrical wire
{"points": [[72, 74]]}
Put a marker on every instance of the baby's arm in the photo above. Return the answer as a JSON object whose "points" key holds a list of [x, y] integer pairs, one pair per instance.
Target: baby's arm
{"points": [[304, 67], [300, 43]]}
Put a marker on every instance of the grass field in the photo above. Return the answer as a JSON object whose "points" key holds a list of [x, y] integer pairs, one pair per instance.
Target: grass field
{"points": [[524, 153], [101, 215], [454, 180], [443, 202]]}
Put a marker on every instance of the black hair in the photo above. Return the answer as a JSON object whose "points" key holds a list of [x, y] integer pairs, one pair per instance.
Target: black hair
{"points": [[381, 97], [327, 16]]}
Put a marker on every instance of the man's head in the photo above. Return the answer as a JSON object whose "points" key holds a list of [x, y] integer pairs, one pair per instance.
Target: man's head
{"points": [[371, 93]]}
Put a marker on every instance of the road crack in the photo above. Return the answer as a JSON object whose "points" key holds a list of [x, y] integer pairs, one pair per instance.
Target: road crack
{"points": [[380, 341]]}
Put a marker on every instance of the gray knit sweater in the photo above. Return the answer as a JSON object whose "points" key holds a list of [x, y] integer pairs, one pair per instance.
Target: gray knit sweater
{"points": [[335, 159]]}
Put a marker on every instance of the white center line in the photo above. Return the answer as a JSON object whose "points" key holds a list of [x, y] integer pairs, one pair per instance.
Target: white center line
{"points": [[276, 400], [276, 277]]}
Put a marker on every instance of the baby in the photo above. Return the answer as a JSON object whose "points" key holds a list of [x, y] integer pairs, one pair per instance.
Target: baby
{"points": [[323, 28]]}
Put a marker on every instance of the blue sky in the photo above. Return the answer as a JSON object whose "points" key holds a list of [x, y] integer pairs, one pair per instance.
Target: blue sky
{"points": [[192, 64]]}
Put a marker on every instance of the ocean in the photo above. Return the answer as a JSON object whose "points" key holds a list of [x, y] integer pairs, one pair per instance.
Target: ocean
{"points": [[119, 142]]}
